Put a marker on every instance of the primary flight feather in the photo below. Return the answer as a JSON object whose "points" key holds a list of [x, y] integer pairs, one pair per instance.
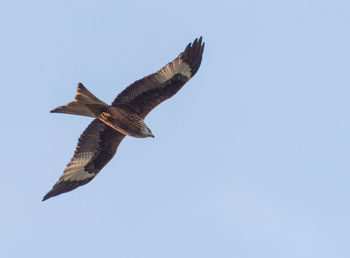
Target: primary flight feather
{"points": [[125, 116]]}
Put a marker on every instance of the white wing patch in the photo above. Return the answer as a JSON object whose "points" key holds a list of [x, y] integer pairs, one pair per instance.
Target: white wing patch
{"points": [[175, 67], [75, 168]]}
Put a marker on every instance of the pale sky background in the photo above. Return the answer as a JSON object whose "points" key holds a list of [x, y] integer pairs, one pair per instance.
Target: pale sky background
{"points": [[250, 159]]}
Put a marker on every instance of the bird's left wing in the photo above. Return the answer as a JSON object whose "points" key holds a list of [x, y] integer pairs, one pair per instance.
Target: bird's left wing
{"points": [[96, 147], [145, 94]]}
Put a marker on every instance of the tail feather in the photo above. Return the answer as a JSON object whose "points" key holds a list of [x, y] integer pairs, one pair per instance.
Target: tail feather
{"points": [[80, 106], [74, 108], [84, 96]]}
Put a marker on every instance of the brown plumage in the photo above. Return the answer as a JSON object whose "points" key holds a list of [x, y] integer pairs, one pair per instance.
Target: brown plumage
{"points": [[125, 116]]}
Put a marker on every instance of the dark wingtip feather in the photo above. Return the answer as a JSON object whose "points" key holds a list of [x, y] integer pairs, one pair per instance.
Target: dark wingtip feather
{"points": [[48, 196], [81, 86], [45, 198], [65, 186], [53, 192], [192, 54], [56, 110]]}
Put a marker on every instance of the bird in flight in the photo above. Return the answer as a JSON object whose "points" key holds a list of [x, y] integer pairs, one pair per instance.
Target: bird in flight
{"points": [[125, 116]]}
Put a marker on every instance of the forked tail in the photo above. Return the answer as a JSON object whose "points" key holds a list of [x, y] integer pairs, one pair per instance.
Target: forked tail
{"points": [[84, 104]]}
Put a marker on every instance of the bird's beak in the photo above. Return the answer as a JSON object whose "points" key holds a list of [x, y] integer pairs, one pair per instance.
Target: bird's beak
{"points": [[151, 135]]}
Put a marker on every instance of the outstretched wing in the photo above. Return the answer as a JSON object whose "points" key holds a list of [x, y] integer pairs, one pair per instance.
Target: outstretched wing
{"points": [[96, 147], [145, 94]]}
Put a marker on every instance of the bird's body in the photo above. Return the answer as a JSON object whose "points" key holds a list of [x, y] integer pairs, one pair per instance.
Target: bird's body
{"points": [[125, 122], [125, 116]]}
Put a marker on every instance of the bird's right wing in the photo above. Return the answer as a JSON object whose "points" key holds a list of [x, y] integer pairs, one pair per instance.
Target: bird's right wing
{"points": [[145, 94], [96, 147]]}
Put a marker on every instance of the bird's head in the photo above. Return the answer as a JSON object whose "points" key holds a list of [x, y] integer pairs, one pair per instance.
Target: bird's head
{"points": [[149, 133], [146, 132]]}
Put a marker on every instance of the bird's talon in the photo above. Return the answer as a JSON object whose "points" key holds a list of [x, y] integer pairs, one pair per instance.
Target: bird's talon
{"points": [[105, 115]]}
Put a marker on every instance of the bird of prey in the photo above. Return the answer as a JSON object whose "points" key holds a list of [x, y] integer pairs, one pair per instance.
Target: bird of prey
{"points": [[125, 116]]}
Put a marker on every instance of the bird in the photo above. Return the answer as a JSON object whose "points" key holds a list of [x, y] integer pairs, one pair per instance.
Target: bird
{"points": [[124, 117]]}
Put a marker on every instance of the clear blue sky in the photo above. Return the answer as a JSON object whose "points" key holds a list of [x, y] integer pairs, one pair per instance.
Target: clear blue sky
{"points": [[250, 159]]}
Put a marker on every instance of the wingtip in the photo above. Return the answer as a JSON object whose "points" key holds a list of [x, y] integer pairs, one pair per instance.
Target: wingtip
{"points": [[198, 40], [53, 192], [196, 45], [192, 54], [81, 86], [59, 109], [47, 196]]}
